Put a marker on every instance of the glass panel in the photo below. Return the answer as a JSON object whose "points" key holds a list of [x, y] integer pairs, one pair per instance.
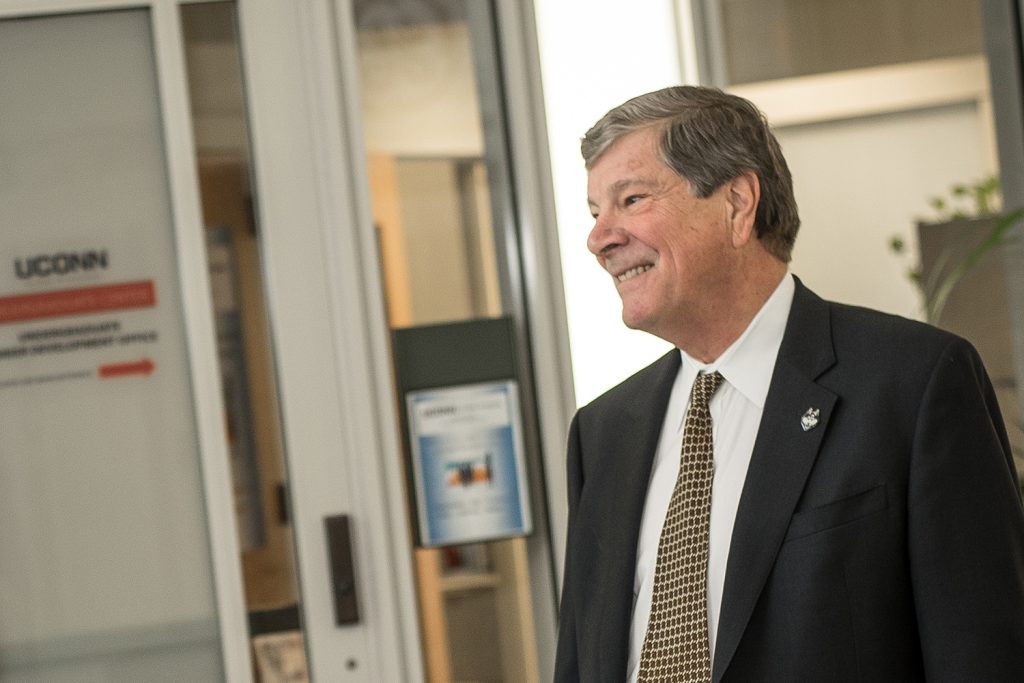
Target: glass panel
{"points": [[246, 363], [446, 222], [434, 182], [105, 573], [769, 39]]}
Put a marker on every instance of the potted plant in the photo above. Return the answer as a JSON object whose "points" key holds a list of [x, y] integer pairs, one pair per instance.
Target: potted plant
{"points": [[961, 274], [968, 228]]}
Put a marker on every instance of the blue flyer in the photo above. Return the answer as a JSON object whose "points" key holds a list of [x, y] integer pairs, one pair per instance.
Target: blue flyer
{"points": [[468, 465]]}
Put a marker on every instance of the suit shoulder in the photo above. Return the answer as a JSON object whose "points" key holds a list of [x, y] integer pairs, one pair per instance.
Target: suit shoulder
{"points": [[856, 325], [881, 345]]}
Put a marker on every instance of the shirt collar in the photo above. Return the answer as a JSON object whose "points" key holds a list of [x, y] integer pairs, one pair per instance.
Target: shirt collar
{"points": [[749, 361]]}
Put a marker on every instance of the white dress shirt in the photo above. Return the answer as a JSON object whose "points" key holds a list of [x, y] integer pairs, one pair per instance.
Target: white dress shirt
{"points": [[736, 408]]}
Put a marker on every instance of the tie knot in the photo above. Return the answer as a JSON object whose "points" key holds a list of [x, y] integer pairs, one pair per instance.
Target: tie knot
{"points": [[704, 388]]}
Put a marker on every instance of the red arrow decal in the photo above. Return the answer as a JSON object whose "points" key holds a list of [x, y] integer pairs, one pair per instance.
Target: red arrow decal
{"points": [[138, 367]]}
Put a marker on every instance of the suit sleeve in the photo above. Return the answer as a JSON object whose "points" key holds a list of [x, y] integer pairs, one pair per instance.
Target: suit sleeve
{"points": [[567, 655], [965, 528]]}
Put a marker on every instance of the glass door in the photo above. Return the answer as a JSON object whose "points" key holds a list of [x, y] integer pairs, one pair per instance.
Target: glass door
{"points": [[431, 105], [248, 381], [113, 548]]}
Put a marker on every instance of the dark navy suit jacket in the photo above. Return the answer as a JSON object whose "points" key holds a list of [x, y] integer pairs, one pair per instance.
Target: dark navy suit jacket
{"points": [[884, 544]]}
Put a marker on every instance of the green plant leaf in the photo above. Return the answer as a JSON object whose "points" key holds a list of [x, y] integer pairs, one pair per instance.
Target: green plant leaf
{"points": [[996, 236]]}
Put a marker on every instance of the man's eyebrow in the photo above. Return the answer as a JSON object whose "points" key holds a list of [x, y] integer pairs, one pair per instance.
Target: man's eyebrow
{"points": [[622, 184]]}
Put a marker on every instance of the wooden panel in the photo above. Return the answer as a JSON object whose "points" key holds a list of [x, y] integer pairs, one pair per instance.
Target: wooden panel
{"points": [[433, 622], [514, 611], [387, 219]]}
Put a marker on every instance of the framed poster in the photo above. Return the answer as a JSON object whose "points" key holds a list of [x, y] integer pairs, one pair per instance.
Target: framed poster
{"points": [[467, 463]]}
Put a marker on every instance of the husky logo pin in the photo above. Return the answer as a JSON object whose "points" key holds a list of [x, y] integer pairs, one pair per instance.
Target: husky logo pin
{"points": [[810, 419]]}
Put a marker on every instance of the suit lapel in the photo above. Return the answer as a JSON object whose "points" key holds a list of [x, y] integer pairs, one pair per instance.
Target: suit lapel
{"points": [[783, 456], [629, 439]]}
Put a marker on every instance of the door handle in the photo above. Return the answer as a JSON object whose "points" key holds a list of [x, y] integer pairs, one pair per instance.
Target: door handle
{"points": [[343, 575]]}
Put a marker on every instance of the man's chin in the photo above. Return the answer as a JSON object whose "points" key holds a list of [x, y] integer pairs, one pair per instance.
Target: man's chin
{"points": [[644, 322], [634, 321]]}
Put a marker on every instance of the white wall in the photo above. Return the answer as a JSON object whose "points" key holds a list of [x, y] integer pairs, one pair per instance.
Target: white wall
{"points": [[860, 181], [441, 89], [594, 55]]}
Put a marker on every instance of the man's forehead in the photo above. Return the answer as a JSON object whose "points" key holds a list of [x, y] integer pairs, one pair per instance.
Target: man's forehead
{"points": [[636, 148]]}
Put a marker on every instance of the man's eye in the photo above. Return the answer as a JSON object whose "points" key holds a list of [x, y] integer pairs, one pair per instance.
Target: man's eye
{"points": [[633, 199]]}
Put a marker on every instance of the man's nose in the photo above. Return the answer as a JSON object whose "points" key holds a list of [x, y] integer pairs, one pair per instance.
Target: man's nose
{"points": [[605, 235]]}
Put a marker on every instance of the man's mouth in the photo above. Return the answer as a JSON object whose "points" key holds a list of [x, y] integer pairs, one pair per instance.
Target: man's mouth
{"points": [[633, 272]]}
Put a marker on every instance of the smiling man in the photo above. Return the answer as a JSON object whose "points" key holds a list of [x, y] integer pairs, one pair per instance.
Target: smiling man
{"points": [[801, 490]]}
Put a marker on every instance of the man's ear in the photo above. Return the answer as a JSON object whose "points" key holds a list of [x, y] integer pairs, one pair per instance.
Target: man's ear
{"points": [[743, 195]]}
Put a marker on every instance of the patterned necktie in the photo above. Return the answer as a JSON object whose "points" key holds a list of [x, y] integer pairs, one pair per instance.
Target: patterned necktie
{"points": [[676, 645]]}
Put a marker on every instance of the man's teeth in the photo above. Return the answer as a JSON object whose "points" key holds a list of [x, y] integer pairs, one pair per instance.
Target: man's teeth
{"points": [[633, 272]]}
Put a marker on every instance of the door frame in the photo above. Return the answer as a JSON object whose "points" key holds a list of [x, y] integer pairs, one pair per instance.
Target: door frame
{"points": [[333, 118], [310, 170], [335, 418]]}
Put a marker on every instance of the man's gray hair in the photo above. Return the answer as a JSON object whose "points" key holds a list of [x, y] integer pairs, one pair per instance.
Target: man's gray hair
{"points": [[710, 137]]}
